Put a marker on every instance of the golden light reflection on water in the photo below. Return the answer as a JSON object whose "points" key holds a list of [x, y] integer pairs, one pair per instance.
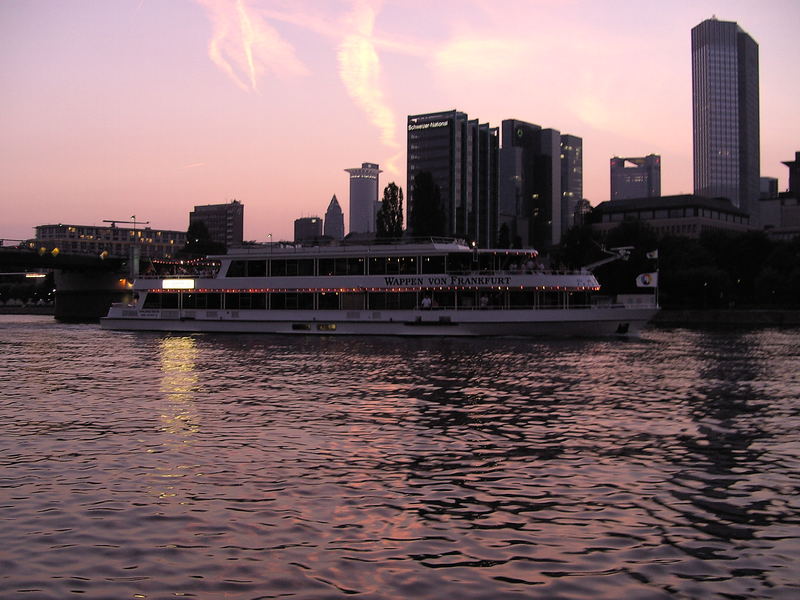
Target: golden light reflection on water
{"points": [[179, 418], [179, 384]]}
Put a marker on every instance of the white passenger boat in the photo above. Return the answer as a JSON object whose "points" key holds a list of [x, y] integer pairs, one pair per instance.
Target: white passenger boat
{"points": [[442, 287]]}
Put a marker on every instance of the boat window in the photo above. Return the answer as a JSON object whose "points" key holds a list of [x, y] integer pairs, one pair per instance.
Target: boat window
{"points": [[152, 301], [232, 301], [349, 266], [408, 265], [521, 299], [459, 262], [191, 301], [486, 262], [580, 299], [213, 300], [432, 264], [326, 266], [442, 299], [391, 300], [247, 268], [353, 301], [237, 268], [254, 301], [170, 300], [292, 267], [550, 299], [256, 268], [292, 301], [305, 267], [328, 301], [277, 268], [377, 265], [195, 300], [467, 299], [393, 265], [326, 327]]}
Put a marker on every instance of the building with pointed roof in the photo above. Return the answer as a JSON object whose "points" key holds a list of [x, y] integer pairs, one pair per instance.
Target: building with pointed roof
{"points": [[334, 220]]}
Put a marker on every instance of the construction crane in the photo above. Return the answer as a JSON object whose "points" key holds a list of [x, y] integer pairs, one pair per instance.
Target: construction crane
{"points": [[134, 222]]}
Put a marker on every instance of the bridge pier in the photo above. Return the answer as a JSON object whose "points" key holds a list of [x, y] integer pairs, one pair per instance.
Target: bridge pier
{"points": [[87, 295]]}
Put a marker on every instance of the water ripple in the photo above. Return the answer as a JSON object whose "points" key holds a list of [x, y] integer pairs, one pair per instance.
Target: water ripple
{"points": [[158, 466]]}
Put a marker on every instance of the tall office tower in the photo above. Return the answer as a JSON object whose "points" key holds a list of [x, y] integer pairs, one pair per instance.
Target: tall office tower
{"points": [[461, 156], [794, 173], [307, 229], [725, 114], [530, 184], [571, 178], [225, 222], [334, 220], [363, 197], [636, 177]]}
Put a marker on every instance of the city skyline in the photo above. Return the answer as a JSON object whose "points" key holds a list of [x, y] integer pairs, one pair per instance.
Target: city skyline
{"points": [[144, 108]]}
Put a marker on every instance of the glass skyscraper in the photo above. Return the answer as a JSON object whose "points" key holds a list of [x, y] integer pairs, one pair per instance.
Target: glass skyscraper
{"points": [[461, 156], [725, 114]]}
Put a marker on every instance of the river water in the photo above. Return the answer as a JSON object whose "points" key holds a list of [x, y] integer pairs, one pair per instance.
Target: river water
{"points": [[142, 465]]}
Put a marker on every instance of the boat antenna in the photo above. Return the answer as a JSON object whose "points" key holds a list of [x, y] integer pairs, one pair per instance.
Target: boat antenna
{"points": [[620, 253]]}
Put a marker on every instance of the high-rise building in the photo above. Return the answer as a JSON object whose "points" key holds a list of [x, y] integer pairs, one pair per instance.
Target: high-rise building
{"points": [[725, 109], [571, 178], [225, 222], [636, 177], [334, 220], [461, 155], [307, 229], [530, 184], [363, 197]]}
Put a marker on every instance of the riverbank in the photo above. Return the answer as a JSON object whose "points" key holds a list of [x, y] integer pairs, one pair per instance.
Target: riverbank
{"points": [[27, 310], [729, 318]]}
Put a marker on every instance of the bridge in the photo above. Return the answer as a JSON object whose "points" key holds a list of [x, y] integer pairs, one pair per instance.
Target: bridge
{"points": [[86, 285], [31, 258]]}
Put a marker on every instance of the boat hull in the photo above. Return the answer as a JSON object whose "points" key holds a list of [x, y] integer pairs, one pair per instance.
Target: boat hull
{"points": [[589, 322]]}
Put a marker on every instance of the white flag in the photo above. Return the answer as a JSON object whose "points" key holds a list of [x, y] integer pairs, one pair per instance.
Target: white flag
{"points": [[653, 254], [647, 280]]}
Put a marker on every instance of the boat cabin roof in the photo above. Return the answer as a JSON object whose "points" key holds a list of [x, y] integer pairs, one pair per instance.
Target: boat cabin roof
{"points": [[435, 247]]}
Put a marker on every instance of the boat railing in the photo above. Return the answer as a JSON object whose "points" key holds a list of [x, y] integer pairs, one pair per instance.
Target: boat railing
{"points": [[198, 274]]}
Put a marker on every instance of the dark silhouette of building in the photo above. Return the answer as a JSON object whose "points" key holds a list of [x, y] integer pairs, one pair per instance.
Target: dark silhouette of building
{"points": [[224, 222], [685, 215], [582, 211], [462, 157], [334, 220], [530, 184], [363, 197], [636, 177], [780, 212], [768, 187], [571, 178], [307, 229], [725, 110], [794, 174]]}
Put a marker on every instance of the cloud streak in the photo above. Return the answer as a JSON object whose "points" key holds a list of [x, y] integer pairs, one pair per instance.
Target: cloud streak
{"points": [[360, 70], [245, 46]]}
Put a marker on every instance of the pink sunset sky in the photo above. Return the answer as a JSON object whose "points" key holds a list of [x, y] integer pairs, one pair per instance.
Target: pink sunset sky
{"points": [[113, 108]]}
